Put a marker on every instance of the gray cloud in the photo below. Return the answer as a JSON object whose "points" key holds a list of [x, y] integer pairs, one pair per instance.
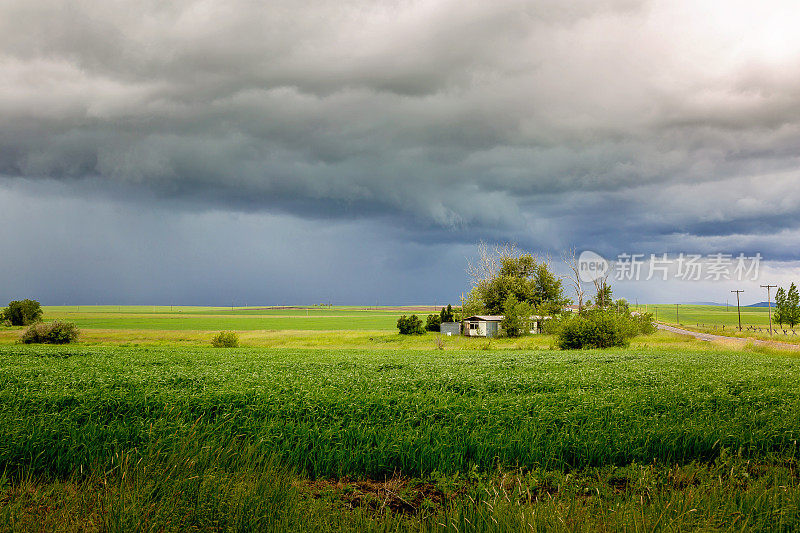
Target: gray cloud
{"points": [[605, 124]]}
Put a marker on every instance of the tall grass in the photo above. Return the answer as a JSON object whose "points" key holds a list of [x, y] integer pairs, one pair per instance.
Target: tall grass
{"points": [[197, 487]]}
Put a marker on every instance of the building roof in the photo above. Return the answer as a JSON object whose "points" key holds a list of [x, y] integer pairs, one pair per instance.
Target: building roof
{"points": [[486, 318], [498, 318]]}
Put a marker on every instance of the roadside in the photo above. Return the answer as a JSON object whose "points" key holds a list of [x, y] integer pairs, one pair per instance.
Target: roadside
{"points": [[728, 340]]}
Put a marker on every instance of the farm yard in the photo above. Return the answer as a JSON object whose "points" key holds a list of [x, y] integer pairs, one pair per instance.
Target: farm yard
{"points": [[347, 425]]}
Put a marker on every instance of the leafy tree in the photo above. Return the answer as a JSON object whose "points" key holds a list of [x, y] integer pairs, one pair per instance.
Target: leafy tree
{"points": [[603, 298], [621, 306], [516, 317], [781, 314], [446, 314], [410, 325], [505, 272], [22, 312], [433, 322], [792, 305]]}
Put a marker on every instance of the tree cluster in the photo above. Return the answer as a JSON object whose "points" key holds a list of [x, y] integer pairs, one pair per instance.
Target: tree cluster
{"points": [[446, 314], [787, 306], [503, 272], [410, 325], [22, 312]]}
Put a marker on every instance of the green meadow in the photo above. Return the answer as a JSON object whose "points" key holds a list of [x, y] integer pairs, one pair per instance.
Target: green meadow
{"points": [[221, 318], [141, 429], [339, 318], [710, 315]]}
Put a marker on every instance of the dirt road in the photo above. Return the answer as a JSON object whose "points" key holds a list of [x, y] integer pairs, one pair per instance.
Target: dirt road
{"points": [[708, 337]]}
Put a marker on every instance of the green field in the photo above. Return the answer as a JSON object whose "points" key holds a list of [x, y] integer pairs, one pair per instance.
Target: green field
{"points": [[222, 318], [710, 315], [165, 437], [327, 419], [326, 319]]}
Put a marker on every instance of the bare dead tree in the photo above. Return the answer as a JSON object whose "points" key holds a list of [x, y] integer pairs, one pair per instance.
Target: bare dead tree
{"points": [[570, 258], [489, 261]]}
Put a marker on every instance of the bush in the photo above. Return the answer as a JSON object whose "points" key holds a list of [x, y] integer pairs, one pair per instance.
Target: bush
{"points": [[596, 329], [55, 332], [600, 329], [644, 323], [225, 339], [433, 322], [22, 312], [411, 325]]}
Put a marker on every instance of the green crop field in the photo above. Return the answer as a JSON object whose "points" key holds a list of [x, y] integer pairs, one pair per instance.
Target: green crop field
{"points": [[222, 318], [194, 438], [710, 314]]}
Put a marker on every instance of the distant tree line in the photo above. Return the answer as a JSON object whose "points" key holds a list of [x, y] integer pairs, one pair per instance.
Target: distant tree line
{"points": [[412, 325]]}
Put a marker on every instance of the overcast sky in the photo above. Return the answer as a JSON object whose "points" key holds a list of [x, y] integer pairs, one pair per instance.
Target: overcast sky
{"points": [[209, 152]]}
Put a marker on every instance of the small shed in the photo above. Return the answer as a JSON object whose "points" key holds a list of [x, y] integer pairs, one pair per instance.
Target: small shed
{"points": [[482, 325], [450, 328]]}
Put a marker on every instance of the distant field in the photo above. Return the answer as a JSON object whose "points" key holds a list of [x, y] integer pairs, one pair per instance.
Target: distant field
{"points": [[323, 318], [328, 319], [710, 315], [221, 318]]}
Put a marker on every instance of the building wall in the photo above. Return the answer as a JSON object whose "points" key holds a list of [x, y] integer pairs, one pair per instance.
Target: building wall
{"points": [[482, 329], [451, 328]]}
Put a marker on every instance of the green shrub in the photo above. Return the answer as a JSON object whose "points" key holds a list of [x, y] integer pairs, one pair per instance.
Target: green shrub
{"points": [[410, 325], [225, 339], [644, 323], [55, 332], [599, 328], [22, 312], [433, 322]]}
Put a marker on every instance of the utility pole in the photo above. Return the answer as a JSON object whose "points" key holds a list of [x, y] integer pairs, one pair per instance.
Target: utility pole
{"points": [[769, 307], [737, 308]]}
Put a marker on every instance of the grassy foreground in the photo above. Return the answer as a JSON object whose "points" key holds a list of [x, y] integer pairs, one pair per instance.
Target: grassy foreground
{"points": [[171, 438]]}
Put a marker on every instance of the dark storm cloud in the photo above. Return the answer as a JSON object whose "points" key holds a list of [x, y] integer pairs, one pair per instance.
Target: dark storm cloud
{"points": [[602, 124]]}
